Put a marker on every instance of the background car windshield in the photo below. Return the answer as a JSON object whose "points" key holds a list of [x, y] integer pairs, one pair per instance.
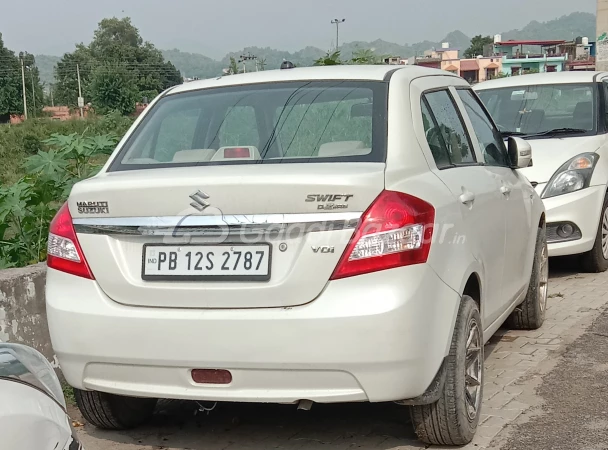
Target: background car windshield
{"points": [[324, 121], [536, 109]]}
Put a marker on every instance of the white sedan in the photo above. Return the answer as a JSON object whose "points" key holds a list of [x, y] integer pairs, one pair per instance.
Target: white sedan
{"points": [[563, 117], [325, 235], [33, 412]]}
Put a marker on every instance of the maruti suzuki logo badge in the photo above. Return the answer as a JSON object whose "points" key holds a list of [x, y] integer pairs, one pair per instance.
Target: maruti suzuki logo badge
{"points": [[200, 201]]}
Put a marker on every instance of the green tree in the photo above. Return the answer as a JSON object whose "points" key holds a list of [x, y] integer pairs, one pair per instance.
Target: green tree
{"points": [[366, 56], [116, 42], [477, 45], [329, 59], [11, 88], [10, 84], [114, 88], [33, 86], [66, 76]]}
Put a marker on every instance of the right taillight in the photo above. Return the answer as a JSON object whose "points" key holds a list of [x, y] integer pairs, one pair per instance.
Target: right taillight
{"points": [[395, 231], [64, 252]]}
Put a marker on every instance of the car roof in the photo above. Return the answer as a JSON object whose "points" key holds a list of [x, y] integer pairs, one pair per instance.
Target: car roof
{"points": [[542, 78], [339, 72]]}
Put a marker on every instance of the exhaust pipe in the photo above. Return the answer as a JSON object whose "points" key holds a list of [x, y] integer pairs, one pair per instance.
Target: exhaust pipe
{"points": [[304, 405]]}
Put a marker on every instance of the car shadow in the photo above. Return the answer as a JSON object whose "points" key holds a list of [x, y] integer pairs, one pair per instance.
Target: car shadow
{"points": [[179, 425], [566, 267]]}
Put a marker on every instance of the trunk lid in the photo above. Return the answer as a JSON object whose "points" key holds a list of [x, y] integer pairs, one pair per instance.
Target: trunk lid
{"points": [[304, 213]]}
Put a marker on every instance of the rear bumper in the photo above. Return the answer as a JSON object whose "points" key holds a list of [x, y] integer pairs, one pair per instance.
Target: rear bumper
{"points": [[583, 208], [376, 337]]}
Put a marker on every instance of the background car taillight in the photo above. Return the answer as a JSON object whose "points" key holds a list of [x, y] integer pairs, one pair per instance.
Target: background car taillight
{"points": [[395, 231], [64, 252]]}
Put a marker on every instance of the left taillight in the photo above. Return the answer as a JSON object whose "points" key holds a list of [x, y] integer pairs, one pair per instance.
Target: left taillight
{"points": [[64, 252]]}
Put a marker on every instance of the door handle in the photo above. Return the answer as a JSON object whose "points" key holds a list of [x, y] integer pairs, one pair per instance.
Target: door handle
{"points": [[506, 190], [467, 198]]}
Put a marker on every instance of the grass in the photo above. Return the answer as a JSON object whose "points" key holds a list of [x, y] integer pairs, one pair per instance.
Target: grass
{"points": [[68, 393], [19, 141]]}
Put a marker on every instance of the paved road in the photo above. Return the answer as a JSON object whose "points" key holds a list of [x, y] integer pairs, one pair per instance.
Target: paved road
{"points": [[574, 413], [515, 361]]}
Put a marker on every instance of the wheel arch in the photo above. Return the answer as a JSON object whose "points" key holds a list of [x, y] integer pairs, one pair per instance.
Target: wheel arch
{"points": [[542, 221]]}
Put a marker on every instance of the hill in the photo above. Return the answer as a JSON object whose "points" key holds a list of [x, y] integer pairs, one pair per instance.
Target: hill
{"points": [[566, 27], [197, 65]]}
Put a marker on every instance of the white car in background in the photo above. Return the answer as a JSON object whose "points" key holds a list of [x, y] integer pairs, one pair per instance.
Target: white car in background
{"points": [[564, 118], [329, 234], [33, 413]]}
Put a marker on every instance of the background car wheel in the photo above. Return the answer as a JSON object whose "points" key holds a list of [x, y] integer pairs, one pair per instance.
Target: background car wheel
{"points": [[530, 315], [453, 419], [596, 260], [114, 412]]}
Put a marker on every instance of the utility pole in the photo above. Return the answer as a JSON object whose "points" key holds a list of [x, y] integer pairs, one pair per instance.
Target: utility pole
{"points": [[248, 57], [601, 62], [52, 100], [33, 91], [23, 83], [337, 23], [80, 99]]}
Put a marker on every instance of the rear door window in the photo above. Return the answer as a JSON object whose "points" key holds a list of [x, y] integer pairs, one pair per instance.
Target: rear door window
{"points": [[449, 129], [489, 138]]}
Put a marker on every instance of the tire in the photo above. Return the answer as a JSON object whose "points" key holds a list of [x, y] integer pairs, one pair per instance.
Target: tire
{"points": [[530, 315], [595, 261], [114, 412], [451, 420]]}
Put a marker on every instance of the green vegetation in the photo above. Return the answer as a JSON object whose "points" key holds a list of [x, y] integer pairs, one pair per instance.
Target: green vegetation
{"points": [[28, 205], [116, 69], [22, 140], [477, 44], [11, 93], [68, 394]]}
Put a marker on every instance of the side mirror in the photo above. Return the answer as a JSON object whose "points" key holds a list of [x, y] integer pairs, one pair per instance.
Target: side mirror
{"points": [[520, 153]]}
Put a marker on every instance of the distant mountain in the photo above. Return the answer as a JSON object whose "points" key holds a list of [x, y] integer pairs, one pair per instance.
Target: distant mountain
{"points": [[193, 64], [566, 27], [197, 65]]}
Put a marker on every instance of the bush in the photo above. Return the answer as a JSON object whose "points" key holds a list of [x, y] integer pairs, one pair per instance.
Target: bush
{"points": [[19, 141], [28, 205]]}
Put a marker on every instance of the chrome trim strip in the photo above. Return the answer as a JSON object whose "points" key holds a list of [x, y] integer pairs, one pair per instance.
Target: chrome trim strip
{"points": [[214, 225]]}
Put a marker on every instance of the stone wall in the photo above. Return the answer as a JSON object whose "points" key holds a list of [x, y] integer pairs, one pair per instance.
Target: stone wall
{"points": [[23, 309]]}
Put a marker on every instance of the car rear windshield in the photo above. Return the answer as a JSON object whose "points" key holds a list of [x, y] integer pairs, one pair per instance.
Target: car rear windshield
{"points": [[540, 108], [307, 121]]}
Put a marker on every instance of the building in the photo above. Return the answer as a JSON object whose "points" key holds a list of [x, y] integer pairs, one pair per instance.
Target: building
{"points": [[521, 57], [581, 54], [473, 70]]}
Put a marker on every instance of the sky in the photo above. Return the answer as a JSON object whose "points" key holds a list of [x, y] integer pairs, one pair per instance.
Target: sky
{"points": [[216, 27]]}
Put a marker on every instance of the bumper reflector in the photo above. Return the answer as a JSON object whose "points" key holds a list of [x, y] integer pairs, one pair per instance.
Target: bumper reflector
{"points": [[211, 376]]}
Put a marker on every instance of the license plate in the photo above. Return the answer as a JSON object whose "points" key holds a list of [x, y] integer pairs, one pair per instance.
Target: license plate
{"points": [[206, 262]]}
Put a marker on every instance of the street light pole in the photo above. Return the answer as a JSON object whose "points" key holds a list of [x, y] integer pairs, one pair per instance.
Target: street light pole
{"points": [[337, 23]]}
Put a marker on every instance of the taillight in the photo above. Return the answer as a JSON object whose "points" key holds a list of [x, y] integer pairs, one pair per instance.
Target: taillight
{"points": [[64, 252], [395, 231]]}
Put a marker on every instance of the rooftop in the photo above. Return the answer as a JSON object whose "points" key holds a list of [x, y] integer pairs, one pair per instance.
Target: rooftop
{"points": [[540, 43], [320, 73]]}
